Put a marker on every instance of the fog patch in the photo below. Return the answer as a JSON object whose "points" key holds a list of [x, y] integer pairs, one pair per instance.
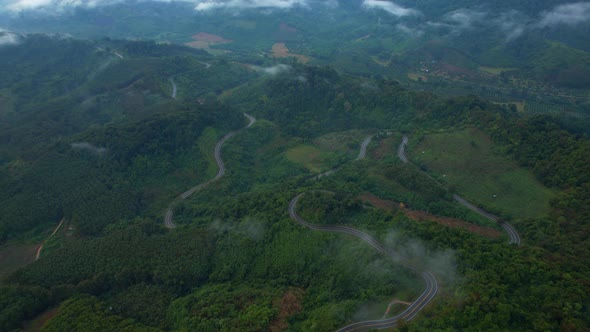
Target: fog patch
{"points": [[248, 4], [8, 38], [301, 79], [389, 7], [369, 86], [442, 263], [99, 151], [568, 14], [409, 31], [513, 24], [274, 70], [459, 21], [248, 227]]}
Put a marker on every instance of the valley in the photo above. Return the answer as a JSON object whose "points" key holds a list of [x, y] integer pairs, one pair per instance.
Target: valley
{"points": [[294, 166]]}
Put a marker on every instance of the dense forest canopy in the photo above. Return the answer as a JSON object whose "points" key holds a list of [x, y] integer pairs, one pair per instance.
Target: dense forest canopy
{"points": [[101, 137]]}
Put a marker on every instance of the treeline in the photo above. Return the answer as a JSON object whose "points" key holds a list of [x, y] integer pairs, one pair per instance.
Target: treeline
{"points": [[105, 174]]}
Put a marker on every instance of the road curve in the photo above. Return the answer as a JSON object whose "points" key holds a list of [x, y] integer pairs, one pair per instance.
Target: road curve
{"points": [[514, 238], [174, 88], [363, 150], [401, 151], [512, 234], [170, 210], [38, 254], [412, 310]]}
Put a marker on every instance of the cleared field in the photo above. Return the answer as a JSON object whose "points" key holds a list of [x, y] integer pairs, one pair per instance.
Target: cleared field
{"points": [[342, 141], [467, 162], [280, 50], [14, 256], [417, 77], [495, 70], [206, 144], [520, 105], [308, 156]]}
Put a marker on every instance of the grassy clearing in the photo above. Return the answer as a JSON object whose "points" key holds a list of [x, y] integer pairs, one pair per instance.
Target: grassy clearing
{"points": [[327, 151], [495, 70], [14, 256], [206, 145], [342, 142], [520, 105], [307, 155], [466, 161], [417, 77]]}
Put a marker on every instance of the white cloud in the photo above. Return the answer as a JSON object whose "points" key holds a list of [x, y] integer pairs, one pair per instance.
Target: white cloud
{"points": [[513, 24], [8, 38], [248, 4], [99, 151], [51, 5], [390, 7], [568, 14], [274, 70], [410, 31]]}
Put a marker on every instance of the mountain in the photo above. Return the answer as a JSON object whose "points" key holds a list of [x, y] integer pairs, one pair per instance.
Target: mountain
{"points": [[294, 165]]}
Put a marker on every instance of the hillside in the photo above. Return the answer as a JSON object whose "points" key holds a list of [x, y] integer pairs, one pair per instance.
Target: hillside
{"points": [[239, 255]]}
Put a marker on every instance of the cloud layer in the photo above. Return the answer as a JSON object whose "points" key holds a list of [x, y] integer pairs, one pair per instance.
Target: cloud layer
{"points": [[568, 14], [248, 4], [8, 38], [390, 7]]}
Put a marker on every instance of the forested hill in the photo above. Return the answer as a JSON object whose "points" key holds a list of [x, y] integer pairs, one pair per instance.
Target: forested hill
{"points": [[236, 260]]}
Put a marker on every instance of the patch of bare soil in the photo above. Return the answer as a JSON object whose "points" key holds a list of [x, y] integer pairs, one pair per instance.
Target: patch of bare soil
{"points": [[205, 40], [37, 324], [392, 206], [16, 256], [385, 148], [210, 38], [289, 304], [280, 50]]}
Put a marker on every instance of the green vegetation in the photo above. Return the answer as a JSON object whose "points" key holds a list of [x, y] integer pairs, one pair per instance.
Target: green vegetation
{"points": [[468, 162], [308, 156], [237, 260]]}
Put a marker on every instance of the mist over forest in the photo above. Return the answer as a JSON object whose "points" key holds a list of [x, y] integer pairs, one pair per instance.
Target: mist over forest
{"points": [[294, 165]]}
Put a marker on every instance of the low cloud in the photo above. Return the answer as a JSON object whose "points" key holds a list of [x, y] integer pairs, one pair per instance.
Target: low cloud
{"points": [[248, 4], [440, 262], [390, 7], [274, 70], [89, 147], [414, 32], [567, 14], [253, 229], [513, 24], [52, 5], [460, 20], [8, 38]]}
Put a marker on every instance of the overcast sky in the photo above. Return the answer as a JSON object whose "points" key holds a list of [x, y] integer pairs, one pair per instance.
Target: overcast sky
{"points": [[514, 23]]}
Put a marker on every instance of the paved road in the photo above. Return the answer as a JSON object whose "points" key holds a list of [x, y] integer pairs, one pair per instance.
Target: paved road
{"points": [[411, 311], [512, 234], [401, 151], [49, 238], [514, 238], [170, 211], [174, 88], [363, 151]]}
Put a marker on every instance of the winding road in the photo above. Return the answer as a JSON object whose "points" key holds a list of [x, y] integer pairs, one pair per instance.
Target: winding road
{"points": [[174, 87], [363, 150], [401, 151], [38, 254], [413, 308], [512, 234], [427, 295], [220, 173]]}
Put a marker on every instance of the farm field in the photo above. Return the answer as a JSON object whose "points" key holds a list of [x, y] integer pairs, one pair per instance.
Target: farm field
{"points": [[466, 161]]}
